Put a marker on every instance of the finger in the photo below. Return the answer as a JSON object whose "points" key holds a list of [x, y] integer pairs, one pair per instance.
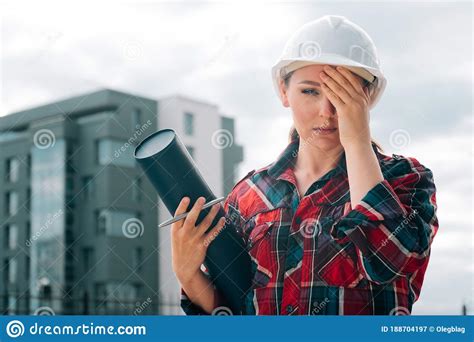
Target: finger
{"points": [[206, 222], [194, 212], [349, 75], [214, 232], [182, 207], [341, 81], [366, 92], [338, 90], [332, 96]]}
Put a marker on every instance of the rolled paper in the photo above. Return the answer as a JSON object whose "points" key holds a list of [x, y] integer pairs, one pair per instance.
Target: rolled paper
{"points": [[173, 173]]}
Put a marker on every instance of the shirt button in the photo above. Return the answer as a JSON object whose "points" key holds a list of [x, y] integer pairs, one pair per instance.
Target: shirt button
{"points": [[289, 308]]}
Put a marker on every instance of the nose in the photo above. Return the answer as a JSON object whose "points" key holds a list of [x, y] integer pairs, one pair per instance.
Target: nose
{"points": [[327, 109]]}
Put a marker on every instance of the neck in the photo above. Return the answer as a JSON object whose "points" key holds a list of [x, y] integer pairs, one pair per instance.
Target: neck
{"points": [[313, 161]]}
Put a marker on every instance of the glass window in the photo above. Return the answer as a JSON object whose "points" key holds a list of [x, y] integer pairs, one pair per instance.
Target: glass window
{"points": [[137, 258], [48, 209], [87, 256], [28, 199], [28, 165], [188, 123], [12, 304], [12, 271], [12, 236], [112, 222], [115, 152], [123, 296], [11, 201], [87, 187], [12, 170]]}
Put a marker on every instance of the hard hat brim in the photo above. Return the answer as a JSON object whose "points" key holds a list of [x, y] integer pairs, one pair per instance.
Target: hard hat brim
{"points": [[330, 60]]}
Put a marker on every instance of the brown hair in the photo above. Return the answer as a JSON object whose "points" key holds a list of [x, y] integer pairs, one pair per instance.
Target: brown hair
{"points": [[294, 134]]}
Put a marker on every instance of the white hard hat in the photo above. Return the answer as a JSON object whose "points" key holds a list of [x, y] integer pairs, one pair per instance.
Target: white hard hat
{"points": [[332, 40]]}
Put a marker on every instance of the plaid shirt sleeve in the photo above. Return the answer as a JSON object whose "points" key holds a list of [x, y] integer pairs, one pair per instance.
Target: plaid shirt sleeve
{"points": [[394, 224], [233, 220]]}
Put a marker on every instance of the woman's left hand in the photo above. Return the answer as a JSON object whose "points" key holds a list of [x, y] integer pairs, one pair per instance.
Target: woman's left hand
{"points": [[351, 101]]}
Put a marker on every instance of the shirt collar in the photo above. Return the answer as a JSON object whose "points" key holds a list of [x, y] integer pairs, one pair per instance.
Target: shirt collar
{"points": [[281, 168]]}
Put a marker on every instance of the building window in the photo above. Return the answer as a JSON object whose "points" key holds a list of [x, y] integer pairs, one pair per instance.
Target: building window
{"points": [[11, 236], [115, 152], [12, 271], [88, 187], [12, 304], [87, 256], [190, 150], [137, 189], [28, 199], [137, 258], [27, 265], [118, 223], [136, 119], [12, 170], [28, 166], [11, 203], [188, 123]]}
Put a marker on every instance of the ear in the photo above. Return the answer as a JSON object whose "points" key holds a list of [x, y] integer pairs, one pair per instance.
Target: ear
{"points": [[283, 93]]}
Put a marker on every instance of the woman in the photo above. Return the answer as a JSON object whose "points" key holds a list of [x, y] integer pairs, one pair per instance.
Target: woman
{"points": [[333, 226]]}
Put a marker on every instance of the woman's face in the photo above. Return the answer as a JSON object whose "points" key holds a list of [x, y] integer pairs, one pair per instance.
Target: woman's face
{"points": [[312, 110]]}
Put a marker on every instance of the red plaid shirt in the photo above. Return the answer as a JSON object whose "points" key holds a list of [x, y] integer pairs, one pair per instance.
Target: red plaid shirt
{"points": [[317, 255]]}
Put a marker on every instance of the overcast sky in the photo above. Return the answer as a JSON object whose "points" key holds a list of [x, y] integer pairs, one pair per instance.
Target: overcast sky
{"points": [[222, 53]]}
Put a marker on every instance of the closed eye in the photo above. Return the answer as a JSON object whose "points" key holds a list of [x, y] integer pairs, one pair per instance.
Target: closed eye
{"points": [[309, 92]]}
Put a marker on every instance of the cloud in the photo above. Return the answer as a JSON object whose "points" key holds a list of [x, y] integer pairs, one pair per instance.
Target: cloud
{"points": [[222, 53]]}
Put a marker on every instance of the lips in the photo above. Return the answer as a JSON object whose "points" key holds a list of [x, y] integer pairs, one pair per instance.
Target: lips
{"points": [[325, 128]]}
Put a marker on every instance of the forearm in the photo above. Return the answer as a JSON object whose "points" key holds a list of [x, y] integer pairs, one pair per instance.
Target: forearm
{"points": [[200, 291], [363, 171]]}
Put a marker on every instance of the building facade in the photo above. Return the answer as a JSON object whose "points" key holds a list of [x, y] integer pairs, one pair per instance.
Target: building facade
{"points": [[78, 218]]}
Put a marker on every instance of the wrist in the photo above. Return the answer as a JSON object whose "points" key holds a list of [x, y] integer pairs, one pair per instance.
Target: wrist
{"points": [[359, 147], [187, 278]]}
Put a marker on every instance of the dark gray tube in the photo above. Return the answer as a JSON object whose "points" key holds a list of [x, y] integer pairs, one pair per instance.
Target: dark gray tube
{"points": [[173, 173]]}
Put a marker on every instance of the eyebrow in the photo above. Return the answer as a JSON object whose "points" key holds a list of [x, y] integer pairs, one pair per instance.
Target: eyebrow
{"points": [[310, 83]]}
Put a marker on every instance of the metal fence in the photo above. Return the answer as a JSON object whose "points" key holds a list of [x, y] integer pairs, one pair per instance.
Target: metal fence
{"points": [[27, 305]]}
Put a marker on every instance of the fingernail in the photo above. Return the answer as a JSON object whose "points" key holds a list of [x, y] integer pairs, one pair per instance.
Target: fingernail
{"points": [[201, 200]]}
